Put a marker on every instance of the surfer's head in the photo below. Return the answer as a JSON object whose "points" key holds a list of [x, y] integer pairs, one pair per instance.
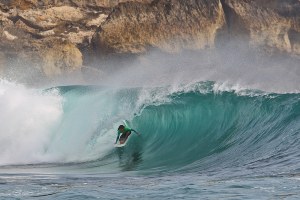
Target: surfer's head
{"points": [[121, 127]]}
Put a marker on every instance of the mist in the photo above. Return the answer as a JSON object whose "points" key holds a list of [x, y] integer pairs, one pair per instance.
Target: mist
{"points": [[230, 66], [227, 66]]}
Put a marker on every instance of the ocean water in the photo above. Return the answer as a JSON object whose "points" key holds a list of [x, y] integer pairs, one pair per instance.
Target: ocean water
{"points": [[200, 140]]}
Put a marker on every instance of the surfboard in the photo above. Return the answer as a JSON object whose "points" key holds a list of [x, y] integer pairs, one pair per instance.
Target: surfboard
{"points": [[118, 145]]}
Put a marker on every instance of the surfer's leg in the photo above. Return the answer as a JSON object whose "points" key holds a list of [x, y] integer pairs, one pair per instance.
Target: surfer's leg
{"points": [[127, 134], [122, 138]]}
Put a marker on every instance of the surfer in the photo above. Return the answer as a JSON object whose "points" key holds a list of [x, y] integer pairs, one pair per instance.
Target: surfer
{"points": [[125, 131]]}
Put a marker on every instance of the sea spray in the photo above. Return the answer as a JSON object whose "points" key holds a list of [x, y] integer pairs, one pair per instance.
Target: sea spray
{"points": [[28, 118]]}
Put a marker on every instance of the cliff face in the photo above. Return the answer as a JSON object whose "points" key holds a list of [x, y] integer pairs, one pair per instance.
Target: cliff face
{"points": [[50, 35], [48, 39], [170, 25], [60, 36], [92, 4], [271, 25]]}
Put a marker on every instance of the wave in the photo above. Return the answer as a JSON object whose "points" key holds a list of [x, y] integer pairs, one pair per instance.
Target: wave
{"points": [[187, 127]]}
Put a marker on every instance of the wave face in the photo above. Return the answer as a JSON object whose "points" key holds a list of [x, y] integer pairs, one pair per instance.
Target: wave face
{"points": [[189, 127]]}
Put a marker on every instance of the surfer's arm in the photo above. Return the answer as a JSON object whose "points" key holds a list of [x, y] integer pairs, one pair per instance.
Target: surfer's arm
{"points": [[135, 132], [117, 138]]}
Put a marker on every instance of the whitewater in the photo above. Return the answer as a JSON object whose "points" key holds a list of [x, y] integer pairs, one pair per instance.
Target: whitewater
{"points": [[206, 132]]}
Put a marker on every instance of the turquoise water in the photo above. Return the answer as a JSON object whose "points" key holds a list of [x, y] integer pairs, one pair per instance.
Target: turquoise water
{"points": [[197, 142]]}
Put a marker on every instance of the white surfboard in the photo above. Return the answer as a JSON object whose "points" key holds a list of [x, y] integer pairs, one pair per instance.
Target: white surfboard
{"points": [[118, 143], [122, 145]]}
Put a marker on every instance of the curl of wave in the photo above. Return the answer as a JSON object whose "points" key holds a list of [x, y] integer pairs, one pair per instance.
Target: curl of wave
{"points": [[191, 127]]}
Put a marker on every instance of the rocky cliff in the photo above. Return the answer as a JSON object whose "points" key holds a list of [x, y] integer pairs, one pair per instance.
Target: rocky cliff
{"points": [[170, 25], [61, 36], [271, 25], [47, 38]]}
